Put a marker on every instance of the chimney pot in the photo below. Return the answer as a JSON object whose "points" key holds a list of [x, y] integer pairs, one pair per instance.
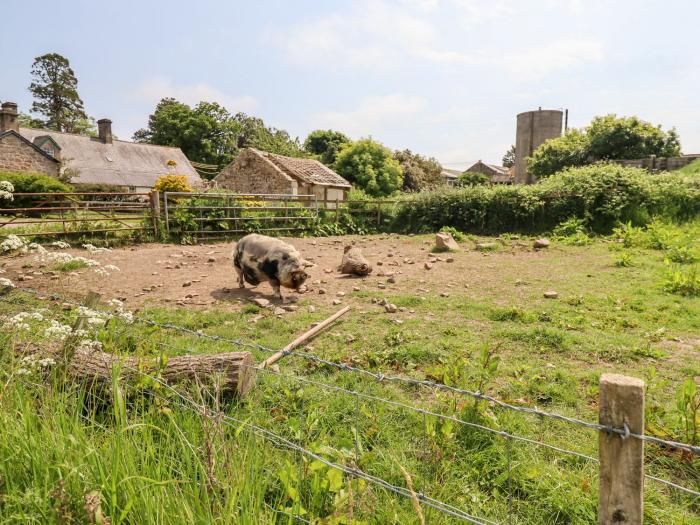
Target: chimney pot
{"points": [[8, 117], [104, 130]]}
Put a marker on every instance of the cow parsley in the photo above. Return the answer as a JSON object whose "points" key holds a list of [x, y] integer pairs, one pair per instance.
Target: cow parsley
{"points": [[13, 244], [6, 283], [94, 249], [60, 244], [57, 331], [6, 189]]}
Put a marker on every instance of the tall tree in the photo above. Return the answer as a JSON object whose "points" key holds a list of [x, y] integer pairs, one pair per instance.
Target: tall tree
{"points": [[509, 158], [370, 166], [55, 90], [325, 143], [419, 173]]}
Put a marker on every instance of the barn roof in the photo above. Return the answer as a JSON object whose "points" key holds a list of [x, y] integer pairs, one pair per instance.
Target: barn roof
{"points": [[120, 163], [308, 170]]}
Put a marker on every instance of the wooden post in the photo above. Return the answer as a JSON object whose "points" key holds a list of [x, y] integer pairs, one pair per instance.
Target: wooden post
{"points": [[621, 494], [337, 209], [379, 213], [154, 198]]}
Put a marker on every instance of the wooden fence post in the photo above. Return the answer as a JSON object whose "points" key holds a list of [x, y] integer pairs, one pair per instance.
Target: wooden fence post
{"points": [[154, 198], [621, 493]]}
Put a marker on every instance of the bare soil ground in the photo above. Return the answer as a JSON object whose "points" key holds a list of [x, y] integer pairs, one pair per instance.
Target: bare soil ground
{"points": [[202, 276]]}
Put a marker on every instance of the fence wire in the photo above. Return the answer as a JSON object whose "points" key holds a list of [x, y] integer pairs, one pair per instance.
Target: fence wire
{"points": [[380, 377]]}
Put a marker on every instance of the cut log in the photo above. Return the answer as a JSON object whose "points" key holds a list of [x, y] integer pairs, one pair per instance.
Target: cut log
{"points": [[233, 371], [354, 262]]}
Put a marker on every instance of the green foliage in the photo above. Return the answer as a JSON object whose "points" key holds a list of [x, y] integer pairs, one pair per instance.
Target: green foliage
{"points": [[27, 121], [691, 169], [208, 133], [683, 281], [509, 157], [469, 178], [624, 260], [32, 183], [606, 138], [419, 172], [96, 187], [599, 197], [325, 143], [688, 410], [55, 90], [70, 266], [370, 165]]}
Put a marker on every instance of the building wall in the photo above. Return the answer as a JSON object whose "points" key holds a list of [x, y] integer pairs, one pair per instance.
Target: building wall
{"points": [[533, 128], [250, 173], [659, 163], [16, 155]]}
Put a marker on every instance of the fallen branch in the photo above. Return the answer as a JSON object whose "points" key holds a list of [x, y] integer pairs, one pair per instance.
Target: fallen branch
{"points": [[303, 338]]}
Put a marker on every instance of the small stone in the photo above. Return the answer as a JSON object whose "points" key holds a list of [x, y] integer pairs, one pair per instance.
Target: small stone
{"points": [[398, 321], [303, 289], [355, 288], [379, 263], [539, 244], [337, 301], [340, 294], [321, 291], [261, 302], [445, 294], [278, 311], [390, 308], [432, 260], [189, 296], [427, 266], [25, 278], [211, 259], [450, 259], [381, 286], [403, 309], [383, 302], [551, 294], [328, 270], [391, 280], [373, 300], [445, 241], [145, 289], [312, 309], [389, 254], [486, 246], [67, 306], [186, 283]]}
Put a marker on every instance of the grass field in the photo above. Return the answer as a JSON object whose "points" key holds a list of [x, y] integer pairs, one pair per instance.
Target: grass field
{"points": [[628, 303]]}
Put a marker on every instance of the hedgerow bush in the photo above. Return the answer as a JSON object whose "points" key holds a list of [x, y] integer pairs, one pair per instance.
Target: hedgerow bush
{"points": [[600, 196], [31, 183]]}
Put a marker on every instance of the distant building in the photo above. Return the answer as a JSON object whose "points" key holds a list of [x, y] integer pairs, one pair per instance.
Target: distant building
{"points": [[533, 128], [496, 174], [258, 172], [93, 160], [450, 176]]}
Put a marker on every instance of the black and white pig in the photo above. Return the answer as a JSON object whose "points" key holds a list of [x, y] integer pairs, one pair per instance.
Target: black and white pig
{"points": [[259, 258]]}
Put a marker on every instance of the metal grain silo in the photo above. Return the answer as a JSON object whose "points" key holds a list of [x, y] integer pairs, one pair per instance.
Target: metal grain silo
{"points": [[533, 128]]}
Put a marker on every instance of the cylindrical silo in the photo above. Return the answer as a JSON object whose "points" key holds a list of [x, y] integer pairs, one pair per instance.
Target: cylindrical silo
{"points": [[533, 128]]}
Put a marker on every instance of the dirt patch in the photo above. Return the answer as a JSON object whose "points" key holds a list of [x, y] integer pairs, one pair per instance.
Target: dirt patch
{"points": [[202, 276]]}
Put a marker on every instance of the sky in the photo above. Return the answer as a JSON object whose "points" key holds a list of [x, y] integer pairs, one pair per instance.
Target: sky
{"points": [[444, 78]]}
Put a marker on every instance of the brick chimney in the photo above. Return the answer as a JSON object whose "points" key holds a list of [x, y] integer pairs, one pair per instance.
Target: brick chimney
{"points": [[104, 130], [8, 117]]}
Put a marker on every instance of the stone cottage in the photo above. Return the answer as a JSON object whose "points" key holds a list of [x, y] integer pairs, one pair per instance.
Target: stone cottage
{"points": [[496, 174], [258, 172], [92, 160]]}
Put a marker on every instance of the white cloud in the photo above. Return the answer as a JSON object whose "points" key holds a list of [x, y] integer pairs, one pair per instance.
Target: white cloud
{"points": [[373, 114], [153, 89], [555, 56]]}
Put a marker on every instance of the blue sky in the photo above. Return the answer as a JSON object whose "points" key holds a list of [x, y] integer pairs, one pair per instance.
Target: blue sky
{"points": [[442, 77]]}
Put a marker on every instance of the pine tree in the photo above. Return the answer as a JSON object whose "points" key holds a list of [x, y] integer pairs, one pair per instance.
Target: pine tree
{"points": [[55, 89]]}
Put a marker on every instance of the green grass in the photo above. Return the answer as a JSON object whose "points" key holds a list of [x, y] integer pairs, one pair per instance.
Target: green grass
{"points": [[150, 458], [691, 169], [70, 266]]}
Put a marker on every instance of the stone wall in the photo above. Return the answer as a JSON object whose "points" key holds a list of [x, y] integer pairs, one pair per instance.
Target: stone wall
{"points": [[17, 155], [250, 173], [659, 163]]}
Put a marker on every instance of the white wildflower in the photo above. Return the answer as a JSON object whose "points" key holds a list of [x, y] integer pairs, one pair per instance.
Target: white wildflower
{"points": [[89, 345], [57, 331], [47, 361], [22, 372], [6, 189], [80, 333], [101, 272], [13, 244], [95, 321], [95, 249], [60, 244], [115, 303], [6, 283], [112, 268], [33, 247]]}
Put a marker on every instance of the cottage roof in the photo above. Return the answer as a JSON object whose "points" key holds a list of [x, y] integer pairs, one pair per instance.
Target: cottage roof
{"points": [[26, 141], [120, 163], [501, 170], [450, 173], [307, 170]]}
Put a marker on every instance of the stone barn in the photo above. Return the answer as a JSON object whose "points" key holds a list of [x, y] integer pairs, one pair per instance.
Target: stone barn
{"points": [[258, 172], [496, 174]]}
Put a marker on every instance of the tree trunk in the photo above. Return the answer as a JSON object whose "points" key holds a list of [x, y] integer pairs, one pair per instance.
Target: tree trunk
{"points": [[234, 368]]}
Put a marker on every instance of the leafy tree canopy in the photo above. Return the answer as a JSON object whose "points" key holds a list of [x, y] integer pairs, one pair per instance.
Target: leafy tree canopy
{"points": [[607, 138], [209, 134], [509, 158], [370, 165], [469, 178], [325, 143], [55, 90], [419, 173]]}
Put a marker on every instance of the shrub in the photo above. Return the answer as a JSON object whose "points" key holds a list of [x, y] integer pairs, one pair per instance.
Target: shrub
{"points": [[174, 183], [472, 179], [683, 281], [370, 165], [456, 234], [32, 183], [599, 196]]}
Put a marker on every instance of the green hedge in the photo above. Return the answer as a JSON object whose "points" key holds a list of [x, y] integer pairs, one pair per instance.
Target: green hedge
{"points": [[32, 183], [601, 195]]}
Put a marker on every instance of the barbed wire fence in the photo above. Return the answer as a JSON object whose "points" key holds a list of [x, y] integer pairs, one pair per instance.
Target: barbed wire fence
{"points": [[279, 441]]}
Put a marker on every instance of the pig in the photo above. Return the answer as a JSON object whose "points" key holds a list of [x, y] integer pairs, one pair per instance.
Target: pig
{"points": [[259, 258]]}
